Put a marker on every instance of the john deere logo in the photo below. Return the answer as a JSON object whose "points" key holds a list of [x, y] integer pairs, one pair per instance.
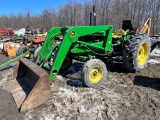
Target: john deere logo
{"points": [[72, 33]]}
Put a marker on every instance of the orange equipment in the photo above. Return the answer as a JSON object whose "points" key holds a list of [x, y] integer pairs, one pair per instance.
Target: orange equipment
{"points": [[146, 27], [10, 48]]}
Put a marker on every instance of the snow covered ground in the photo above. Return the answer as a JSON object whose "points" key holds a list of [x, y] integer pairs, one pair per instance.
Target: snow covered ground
{"points": [[155, 57]]}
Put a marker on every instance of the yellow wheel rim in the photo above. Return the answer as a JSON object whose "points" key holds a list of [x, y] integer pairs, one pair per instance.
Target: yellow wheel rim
{"points": [[143, 54], [23, 51], [95, 74]]}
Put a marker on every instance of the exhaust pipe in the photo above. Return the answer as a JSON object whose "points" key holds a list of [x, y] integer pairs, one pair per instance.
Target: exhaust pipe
{"points": [[93, 17]]}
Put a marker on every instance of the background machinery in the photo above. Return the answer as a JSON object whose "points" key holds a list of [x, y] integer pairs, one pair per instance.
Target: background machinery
{"points": [[4, 32]]}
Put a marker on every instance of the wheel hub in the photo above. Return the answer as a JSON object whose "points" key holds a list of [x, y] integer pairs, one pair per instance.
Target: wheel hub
{"points": [[95, 74], [23, 51]]}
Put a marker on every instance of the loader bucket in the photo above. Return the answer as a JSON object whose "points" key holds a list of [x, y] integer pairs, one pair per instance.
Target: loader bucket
{"points": [[30, 86]]}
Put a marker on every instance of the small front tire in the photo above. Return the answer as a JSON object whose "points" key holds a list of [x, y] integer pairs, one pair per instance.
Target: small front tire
{"points": [[94, 73]]}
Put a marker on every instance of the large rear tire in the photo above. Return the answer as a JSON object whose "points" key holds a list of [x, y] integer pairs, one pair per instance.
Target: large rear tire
{"points": [[94, 73], [136, 52]]}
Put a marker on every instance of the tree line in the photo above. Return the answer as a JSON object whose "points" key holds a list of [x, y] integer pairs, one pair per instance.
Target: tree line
{"points": [[74, 13]]}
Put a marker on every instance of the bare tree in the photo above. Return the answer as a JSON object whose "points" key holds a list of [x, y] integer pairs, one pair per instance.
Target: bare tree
{"points": [[78, 13]]}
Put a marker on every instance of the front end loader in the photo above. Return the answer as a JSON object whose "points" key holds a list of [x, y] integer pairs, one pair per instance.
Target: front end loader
{"points": [[30, 86]]}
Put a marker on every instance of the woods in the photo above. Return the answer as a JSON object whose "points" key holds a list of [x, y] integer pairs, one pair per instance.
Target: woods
{"points": [[77, 13]]}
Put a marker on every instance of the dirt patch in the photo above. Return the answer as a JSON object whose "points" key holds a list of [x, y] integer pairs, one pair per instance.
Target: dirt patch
{"points": [[8, 109], [123, 96]]}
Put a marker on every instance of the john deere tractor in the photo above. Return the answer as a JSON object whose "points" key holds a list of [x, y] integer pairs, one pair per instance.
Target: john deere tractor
{"points": [[31, 85]]}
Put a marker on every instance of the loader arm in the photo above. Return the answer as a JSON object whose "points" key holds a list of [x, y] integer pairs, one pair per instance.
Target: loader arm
{"points": [[70, 35], [47, 46]]}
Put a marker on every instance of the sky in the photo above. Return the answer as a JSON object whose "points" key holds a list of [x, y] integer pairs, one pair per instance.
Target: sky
{"points": [[21, 6]]}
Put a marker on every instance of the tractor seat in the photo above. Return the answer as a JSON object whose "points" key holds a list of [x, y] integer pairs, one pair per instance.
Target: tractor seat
{"points": [[119, 33]]}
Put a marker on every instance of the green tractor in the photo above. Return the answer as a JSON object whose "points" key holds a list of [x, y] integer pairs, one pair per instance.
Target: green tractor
{"points": [[30, 86], [88, 44]]}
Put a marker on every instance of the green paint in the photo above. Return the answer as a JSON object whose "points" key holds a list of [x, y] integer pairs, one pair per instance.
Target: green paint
{"points": [[2, 66]]}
